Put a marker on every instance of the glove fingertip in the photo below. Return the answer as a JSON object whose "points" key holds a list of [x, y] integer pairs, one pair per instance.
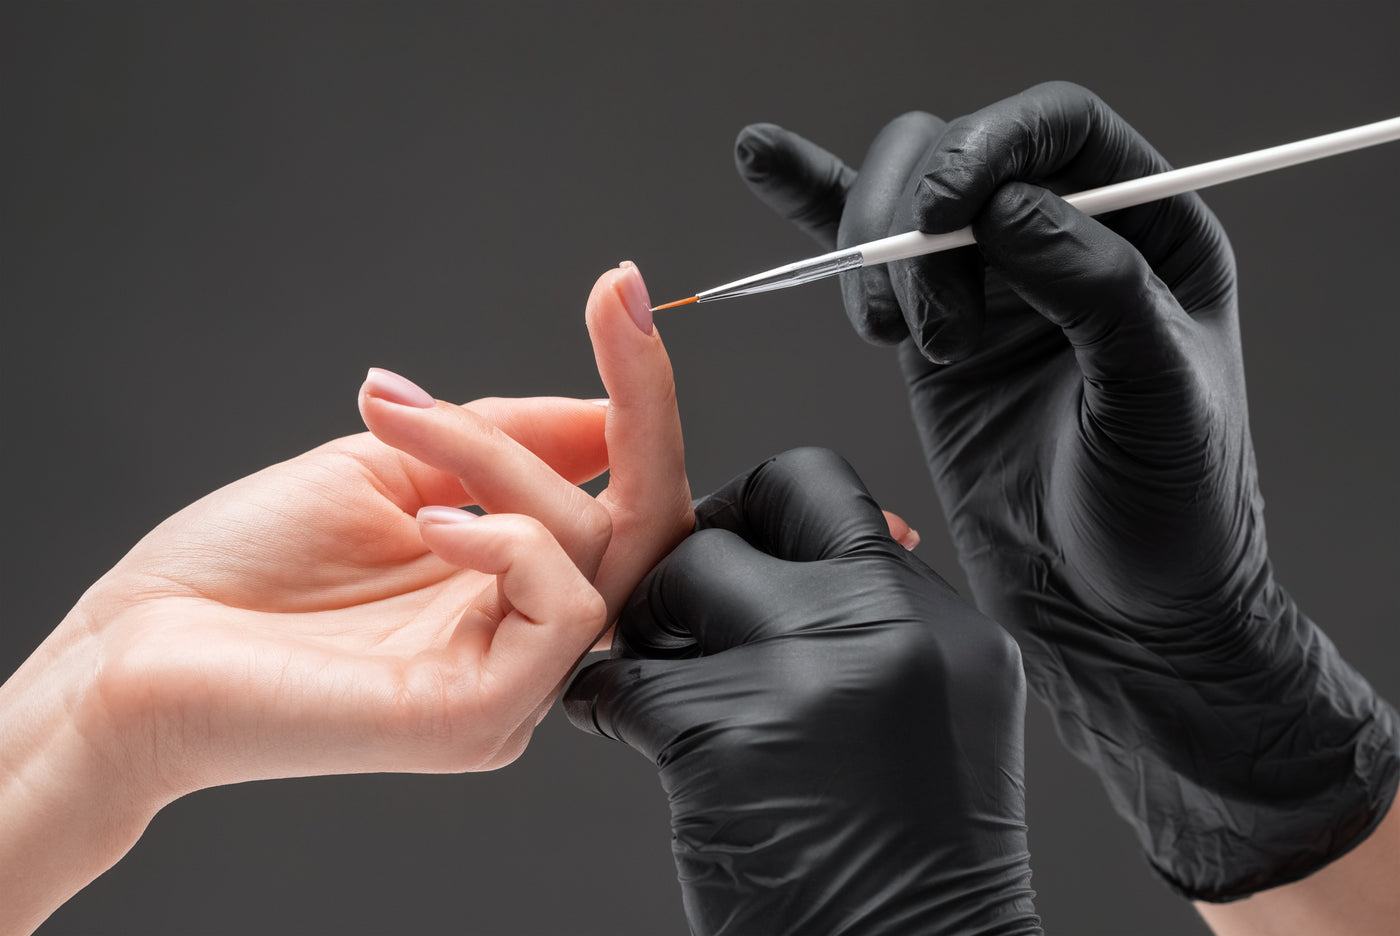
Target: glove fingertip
{"points": [[795, 177], [753, 151]]}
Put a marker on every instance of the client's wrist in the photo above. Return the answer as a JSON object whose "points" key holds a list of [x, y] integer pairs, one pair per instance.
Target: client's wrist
{"points": [[72, 805]]}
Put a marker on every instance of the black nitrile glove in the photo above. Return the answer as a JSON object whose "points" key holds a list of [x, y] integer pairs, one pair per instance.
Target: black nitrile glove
{"points": [[1090, 446], [839, 734]]}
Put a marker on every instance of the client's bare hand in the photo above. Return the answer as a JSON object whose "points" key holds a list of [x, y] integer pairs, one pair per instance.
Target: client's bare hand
{"points": [[339, 613], [304, 621], [331, 615]]}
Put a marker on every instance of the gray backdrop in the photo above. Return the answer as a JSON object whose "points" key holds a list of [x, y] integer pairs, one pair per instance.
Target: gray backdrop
{"points": [[215, 217]]}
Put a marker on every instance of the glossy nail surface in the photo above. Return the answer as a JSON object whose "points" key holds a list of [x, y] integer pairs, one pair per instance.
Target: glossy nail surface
{"points": [[633, 292], [394, 388]]}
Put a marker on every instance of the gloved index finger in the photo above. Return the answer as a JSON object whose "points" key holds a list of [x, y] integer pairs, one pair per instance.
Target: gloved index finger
{"points": [[936, 299], [1055, 130], [804, 505]]}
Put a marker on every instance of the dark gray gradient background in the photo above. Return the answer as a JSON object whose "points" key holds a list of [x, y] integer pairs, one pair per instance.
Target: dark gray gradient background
{"points": [[215, 217]]}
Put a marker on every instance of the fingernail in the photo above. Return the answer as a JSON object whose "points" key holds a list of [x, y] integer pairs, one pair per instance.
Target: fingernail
{"points": [[393, 388], [445, 515], [633, 292], [603, 402], [910, 540]]}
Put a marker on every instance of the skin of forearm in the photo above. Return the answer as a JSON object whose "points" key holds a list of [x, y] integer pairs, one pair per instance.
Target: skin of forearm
{"points": [[71, 810], [1353, 896]]}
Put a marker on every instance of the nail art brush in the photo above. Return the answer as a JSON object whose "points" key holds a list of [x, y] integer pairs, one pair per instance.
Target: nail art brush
{"points": [[1092, 202]]}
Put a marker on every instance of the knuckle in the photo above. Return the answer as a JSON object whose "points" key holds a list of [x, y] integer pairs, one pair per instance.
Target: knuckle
{"points": [[1126, 273], [1002, 652], [964, 142], [1016, 203], [958, 131], [954, 179], [699, 541], [595, 526], [589, 608], [808, 460], [916, 123], [915, 116], [911, 659], [1061, 89], [700, 548], [524, 535], [1051, 105], [939, 185]]}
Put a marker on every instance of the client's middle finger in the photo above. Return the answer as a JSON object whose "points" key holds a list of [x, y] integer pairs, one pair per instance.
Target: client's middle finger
{"points": [[496, 472]]}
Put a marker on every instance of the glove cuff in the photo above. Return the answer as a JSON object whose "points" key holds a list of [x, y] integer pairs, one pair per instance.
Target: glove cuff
{"points": [[1322, 772], [1270, 844]]}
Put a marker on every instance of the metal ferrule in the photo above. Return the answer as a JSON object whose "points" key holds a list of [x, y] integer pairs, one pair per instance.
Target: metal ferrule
{"points": [[803, 271]]}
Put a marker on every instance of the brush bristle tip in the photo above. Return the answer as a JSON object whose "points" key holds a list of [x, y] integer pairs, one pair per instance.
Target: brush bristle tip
{"points": [[672, 305]]}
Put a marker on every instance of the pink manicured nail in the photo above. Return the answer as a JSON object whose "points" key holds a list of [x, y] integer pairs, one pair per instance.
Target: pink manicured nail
{"points": [[445, 515], [911, 539], [392, 388], [633, 291]]}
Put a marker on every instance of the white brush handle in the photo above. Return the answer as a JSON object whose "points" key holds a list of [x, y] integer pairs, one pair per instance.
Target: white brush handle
{"points": [[1151, 188]]}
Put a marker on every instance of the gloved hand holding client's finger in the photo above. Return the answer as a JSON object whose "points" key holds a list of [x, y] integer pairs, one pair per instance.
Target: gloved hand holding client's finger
{"points": [[838, 732]]}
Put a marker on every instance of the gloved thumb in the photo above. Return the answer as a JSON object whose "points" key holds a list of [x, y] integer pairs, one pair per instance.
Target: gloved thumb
{"points": [[633, 701], [804, 505], [795, 177]]}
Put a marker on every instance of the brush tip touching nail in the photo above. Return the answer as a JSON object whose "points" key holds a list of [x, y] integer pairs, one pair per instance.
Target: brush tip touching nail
{"points": [[678, 302]]}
